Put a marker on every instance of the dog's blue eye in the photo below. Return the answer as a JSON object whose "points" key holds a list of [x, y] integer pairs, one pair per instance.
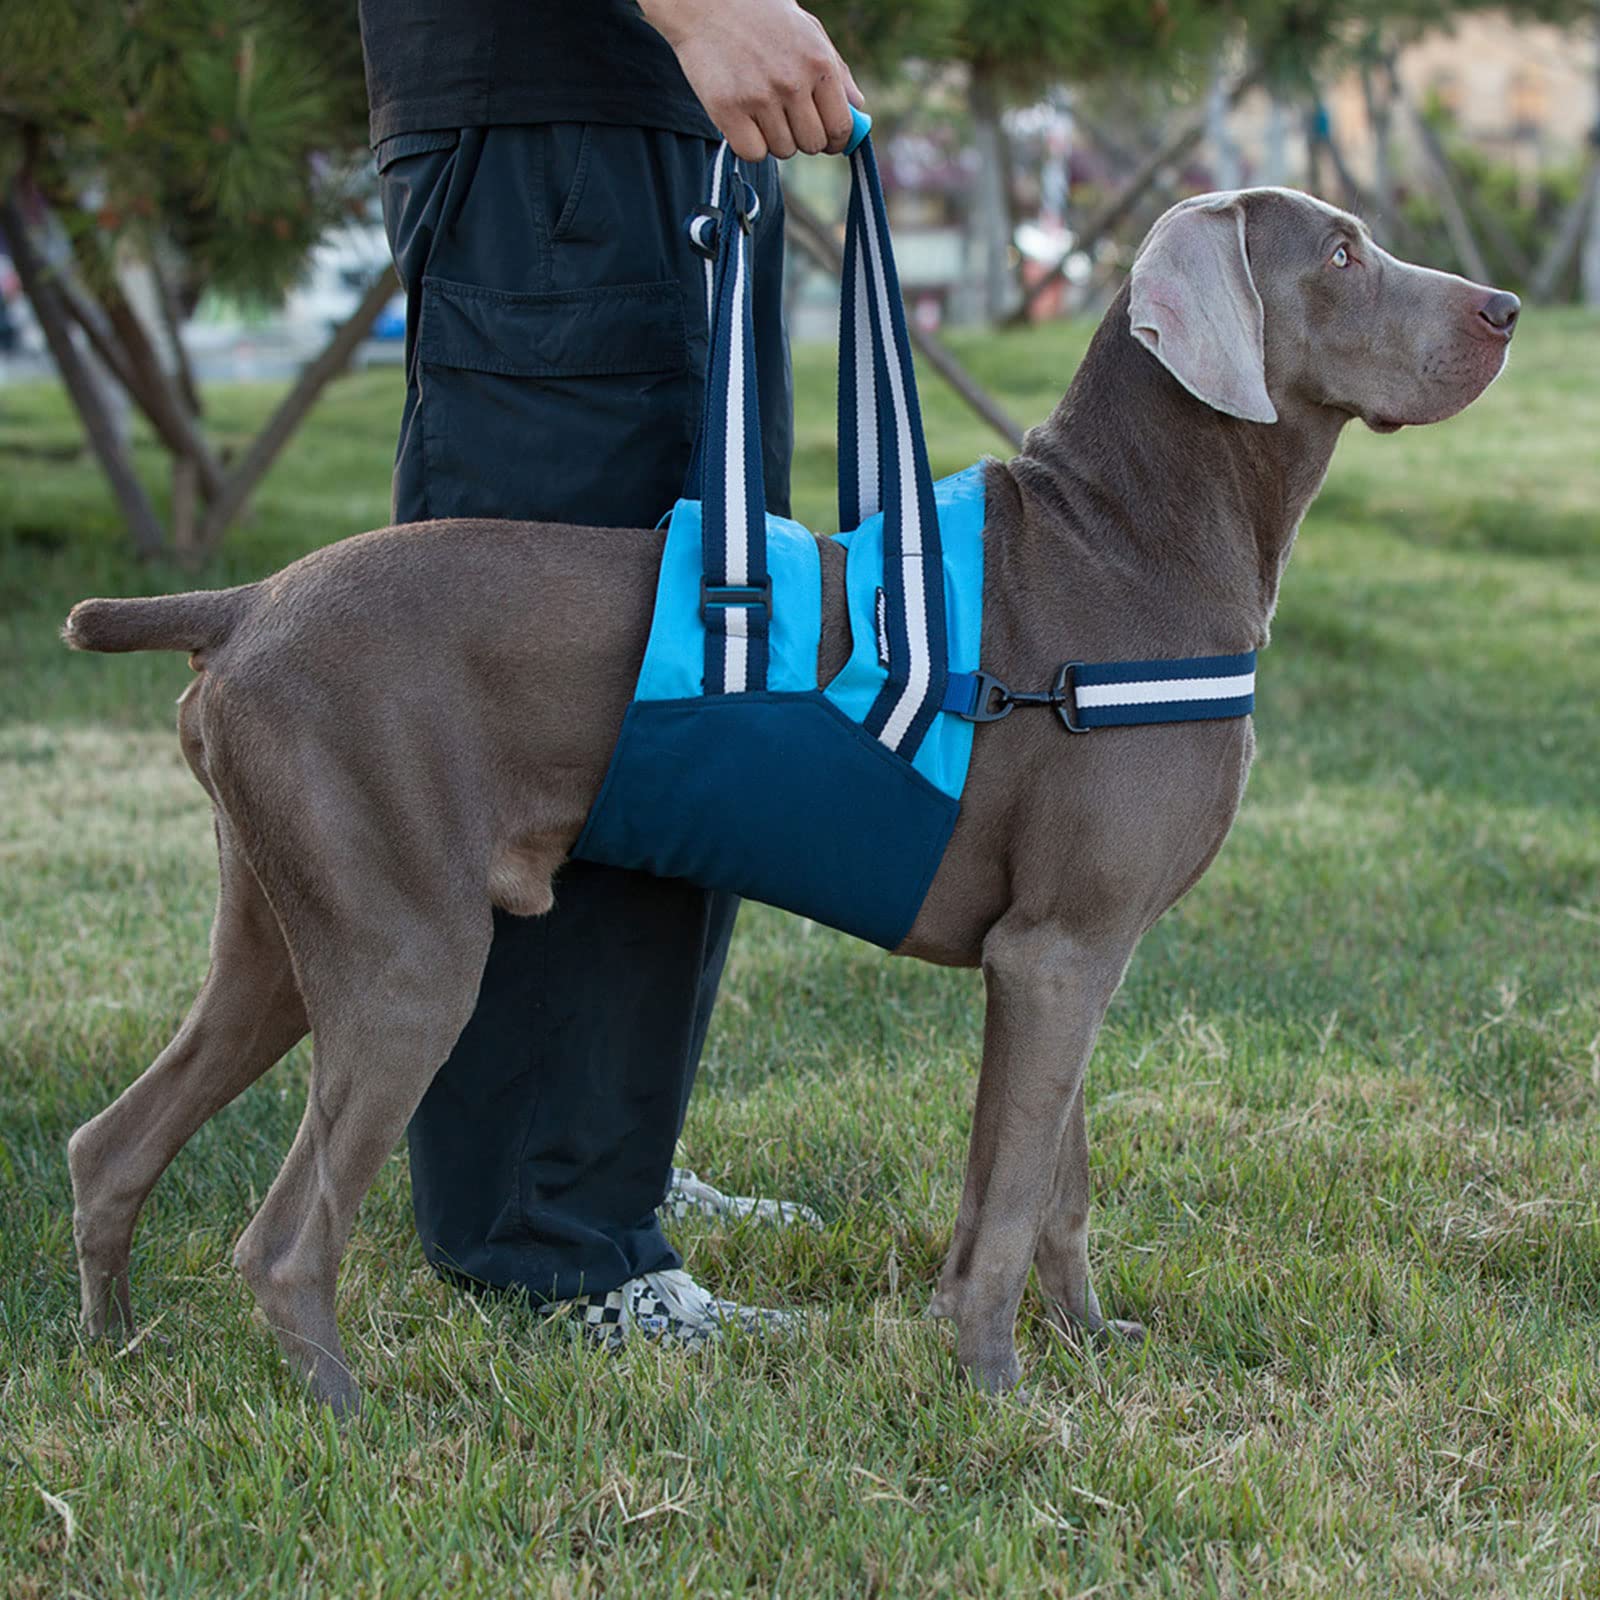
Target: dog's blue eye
{"points": [[1341, 257]]}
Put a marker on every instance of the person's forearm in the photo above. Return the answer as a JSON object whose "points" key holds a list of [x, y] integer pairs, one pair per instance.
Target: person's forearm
{"points": [[765, 71]]}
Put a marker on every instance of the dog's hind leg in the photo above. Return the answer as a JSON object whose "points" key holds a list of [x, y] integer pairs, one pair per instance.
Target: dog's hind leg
{"points": [[1047, 994], [1062, 1255], [388, 995], [247, 1014]]}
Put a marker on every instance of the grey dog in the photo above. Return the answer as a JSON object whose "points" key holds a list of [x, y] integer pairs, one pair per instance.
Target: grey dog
{"points": [[377, 732]]}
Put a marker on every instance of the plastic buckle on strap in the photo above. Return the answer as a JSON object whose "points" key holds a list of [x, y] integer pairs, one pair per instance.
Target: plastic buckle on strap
{"points": [[991, 699], [722, 595]]}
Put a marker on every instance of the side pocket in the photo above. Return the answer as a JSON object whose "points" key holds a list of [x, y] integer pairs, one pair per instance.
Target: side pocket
{"points": [[564, 406], [565, 149]]}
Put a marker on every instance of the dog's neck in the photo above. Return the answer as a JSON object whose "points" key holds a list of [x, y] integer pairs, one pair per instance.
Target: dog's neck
{"points": [[1197, 510]]}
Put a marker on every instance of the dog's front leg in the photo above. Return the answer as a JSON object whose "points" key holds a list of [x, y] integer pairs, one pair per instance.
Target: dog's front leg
{"points": [[1047, 992], [1062, 1254]]}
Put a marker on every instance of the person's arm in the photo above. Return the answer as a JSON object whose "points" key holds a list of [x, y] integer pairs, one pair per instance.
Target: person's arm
{"points": [[765, 71]]}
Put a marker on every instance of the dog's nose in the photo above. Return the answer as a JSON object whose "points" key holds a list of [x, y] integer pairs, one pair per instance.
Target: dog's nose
{"points": [[1500, 311]]}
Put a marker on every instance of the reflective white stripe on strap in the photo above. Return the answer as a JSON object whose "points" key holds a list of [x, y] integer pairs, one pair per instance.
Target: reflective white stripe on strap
{"points": [[897, 456], [1119, 694], [704, 225], [736, 591], [735, 620], [858, 392], [1158, 691], [736, 487]]}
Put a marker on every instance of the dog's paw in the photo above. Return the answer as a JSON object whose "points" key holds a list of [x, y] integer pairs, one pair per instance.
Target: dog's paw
{"points": [[1116, 1331]]}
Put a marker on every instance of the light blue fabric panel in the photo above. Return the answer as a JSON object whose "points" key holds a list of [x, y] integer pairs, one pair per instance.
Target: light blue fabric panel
{"points": [[674, 661], [947, 749]]}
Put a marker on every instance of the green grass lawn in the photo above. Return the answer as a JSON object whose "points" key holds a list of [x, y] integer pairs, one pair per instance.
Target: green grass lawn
{"points": [[1345, 1119]]}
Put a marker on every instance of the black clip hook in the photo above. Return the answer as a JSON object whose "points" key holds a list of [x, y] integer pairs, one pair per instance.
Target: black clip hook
{"points": [[993, 701]]}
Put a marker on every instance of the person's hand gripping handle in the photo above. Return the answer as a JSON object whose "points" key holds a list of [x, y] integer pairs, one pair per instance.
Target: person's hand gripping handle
{"points": [[766, 73]]}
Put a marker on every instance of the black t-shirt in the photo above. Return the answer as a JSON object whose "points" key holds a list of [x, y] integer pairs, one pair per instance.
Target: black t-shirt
{"points": [[475, 63]]}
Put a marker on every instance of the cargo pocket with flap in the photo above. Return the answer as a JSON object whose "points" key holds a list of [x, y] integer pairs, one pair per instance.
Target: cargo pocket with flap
{"points": [[571, 405]]}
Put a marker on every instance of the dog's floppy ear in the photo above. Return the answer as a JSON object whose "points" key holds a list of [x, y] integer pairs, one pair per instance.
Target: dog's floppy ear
{"points": [[1193, 304]]}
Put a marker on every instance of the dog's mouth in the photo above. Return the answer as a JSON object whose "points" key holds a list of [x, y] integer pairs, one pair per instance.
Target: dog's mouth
{"points": [[1452, 384]]}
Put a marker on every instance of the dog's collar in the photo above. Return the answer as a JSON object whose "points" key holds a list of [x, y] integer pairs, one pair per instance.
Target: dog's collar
{"points": [[1117, 694]]}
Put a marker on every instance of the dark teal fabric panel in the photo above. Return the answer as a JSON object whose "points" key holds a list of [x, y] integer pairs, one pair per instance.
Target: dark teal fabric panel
{"points": [[776, 797]]}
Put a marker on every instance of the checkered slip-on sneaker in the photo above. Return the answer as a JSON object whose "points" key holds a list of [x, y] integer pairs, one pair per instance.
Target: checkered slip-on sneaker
{"points": [[688, 1195], [672, 1307]]}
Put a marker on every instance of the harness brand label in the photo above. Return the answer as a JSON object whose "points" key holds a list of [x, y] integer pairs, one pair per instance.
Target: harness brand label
{"points": [[880, 617]]}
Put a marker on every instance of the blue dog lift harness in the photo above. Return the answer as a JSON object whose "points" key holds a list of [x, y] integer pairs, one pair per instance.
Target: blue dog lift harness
{"points": [[734, 769]]}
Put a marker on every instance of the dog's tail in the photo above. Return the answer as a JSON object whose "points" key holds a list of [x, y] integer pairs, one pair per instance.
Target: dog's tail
{"points": [[199, 620]]}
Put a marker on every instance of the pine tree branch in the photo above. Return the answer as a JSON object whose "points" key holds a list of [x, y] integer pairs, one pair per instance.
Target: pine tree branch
{"points": [[48, 306]]}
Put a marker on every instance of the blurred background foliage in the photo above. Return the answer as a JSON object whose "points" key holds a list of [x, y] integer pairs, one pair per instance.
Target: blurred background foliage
{"points": [[221, 128], [162, 154]]}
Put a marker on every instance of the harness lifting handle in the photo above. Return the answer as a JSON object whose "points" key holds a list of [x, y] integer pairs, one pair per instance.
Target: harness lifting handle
{"points": [[860, 127]]}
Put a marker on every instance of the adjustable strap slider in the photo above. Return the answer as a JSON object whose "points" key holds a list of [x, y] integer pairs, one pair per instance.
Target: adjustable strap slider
{"points": [[720, 596]]}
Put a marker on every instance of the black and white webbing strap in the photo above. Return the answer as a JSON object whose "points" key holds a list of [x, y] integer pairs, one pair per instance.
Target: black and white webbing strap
{"points": [[883, 463], [1118, 694], [735, 590]]}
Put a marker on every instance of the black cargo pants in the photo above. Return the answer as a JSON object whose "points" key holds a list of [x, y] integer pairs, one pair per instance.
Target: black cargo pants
{"points": [[555, 336]]}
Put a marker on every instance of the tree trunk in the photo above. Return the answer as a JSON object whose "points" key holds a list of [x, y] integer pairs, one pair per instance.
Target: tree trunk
{"points": [[1316, 181], [1591, 242], [1276, 162], [1350, 191], [1591, 251], [206, 498], [991, 229], [1510, 254], [1227, 168], [185, 514], [1463, 241], [266, 446], [49, 307], [1569, 233], [137, 366], [160, 399], [1380, 118], [807, 230], [172, 320]]}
